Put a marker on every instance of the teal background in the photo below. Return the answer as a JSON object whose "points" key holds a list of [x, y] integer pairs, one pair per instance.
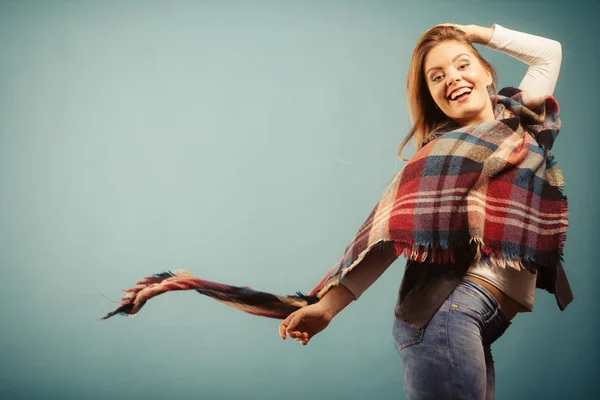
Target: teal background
{"points": [[245, 141]]}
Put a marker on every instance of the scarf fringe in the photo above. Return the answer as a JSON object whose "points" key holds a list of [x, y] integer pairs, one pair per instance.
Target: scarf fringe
{"points": [[564, 203], [442, 253]]}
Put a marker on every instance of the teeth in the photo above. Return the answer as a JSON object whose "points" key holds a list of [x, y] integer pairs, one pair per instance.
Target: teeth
{"points": [[457, 93]]}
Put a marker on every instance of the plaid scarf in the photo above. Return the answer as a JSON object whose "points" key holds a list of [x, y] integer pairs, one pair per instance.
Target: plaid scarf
{"points": [[492, 188]]}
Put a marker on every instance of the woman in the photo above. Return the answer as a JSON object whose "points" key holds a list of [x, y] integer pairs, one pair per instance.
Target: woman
{"points": [[478, 212], [449, 86]]}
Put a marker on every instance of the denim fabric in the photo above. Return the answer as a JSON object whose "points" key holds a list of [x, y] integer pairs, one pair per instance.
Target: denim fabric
{"points": [[425, 287], [451, 357]]}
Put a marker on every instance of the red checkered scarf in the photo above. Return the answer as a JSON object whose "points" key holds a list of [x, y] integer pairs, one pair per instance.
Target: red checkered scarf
{"points": [[492, 186]]}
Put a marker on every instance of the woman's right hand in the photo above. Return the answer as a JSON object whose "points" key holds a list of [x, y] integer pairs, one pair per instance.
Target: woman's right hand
{"points": [[305, 323], [475, 33]]}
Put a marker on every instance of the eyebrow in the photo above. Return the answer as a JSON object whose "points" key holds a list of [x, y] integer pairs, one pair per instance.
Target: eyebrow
{"points": [[454, 59]]}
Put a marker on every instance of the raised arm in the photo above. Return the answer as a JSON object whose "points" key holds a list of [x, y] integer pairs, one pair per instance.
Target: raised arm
{"points": [[544, 56]]}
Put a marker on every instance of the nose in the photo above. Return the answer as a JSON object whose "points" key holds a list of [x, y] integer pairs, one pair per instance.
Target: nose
{"points": [[452, 76]]}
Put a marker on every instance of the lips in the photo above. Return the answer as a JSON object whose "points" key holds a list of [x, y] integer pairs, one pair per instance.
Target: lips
{"points": [[458, 88]]}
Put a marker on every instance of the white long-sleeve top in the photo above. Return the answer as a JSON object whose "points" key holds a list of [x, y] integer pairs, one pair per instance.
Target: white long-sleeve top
{"points": [[544, 58]]}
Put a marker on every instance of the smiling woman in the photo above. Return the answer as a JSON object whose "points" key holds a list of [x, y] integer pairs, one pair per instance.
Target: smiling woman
{"points": [[445, 60], [452, 98], [478, 212], [458, 83]]}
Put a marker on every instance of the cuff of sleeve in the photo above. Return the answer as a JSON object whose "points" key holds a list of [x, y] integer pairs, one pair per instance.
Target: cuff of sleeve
{"points": [[500, 37], [353, 286]]}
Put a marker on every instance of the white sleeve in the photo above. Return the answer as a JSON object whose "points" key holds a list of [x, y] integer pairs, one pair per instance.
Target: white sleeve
{"points": [[543, 56]]}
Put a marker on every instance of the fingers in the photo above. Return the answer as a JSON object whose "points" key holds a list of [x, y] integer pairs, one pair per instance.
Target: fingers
{"points": [[288, 326], [290, 323], [303, 342], [301, 337], [458, 26], [298, 316], [284, 325]]}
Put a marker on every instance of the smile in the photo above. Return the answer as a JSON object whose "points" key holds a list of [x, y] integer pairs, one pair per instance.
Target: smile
{"points": [[461, 99]]}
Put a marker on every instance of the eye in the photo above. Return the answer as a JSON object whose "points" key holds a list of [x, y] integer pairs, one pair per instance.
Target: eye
{"points": [[465, 65], [436, 78]]}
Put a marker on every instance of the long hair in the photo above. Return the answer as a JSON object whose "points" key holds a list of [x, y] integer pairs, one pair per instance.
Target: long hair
{"points": [[423, 113]]}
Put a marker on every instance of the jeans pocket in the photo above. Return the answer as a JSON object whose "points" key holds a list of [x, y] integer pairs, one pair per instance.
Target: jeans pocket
{"points": [[491, 315], [470, 302], [406, 335]]}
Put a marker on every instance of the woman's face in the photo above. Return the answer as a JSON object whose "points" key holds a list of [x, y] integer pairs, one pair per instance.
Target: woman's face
{"points": [[450, 69]]}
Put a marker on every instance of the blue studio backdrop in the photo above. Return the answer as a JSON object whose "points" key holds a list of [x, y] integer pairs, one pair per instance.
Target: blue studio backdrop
{"points": [[244, 141]]}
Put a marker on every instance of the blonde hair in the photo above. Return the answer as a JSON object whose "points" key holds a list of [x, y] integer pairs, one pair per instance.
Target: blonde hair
{"points": [[425, 116]]}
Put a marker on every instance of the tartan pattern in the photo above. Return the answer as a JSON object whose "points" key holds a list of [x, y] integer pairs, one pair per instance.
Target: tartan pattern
{"points": [[493, 189]]}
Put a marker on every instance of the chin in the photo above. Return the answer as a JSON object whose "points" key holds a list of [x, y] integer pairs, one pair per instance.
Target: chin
{"points": [[468, 113]]}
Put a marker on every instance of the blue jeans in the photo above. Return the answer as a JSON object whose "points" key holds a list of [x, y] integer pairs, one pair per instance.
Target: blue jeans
{"points": [[451, 358]]}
